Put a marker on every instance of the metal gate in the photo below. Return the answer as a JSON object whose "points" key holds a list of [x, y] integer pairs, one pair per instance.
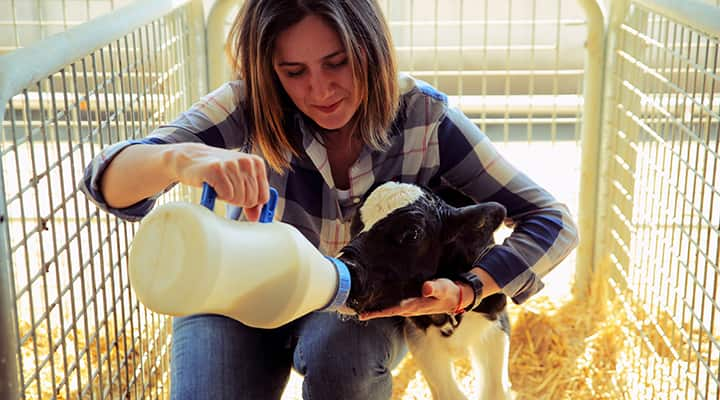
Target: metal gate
{"points": [[73, 323], [635, 120], [660, 195]]}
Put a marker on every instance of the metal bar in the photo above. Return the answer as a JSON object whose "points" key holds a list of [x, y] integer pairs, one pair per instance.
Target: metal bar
{"points": [[66, 47], [495, 73], [15, 31], [411, 48], [556, 66], [68, 116], [591, 140], [508, 48], [531, 80], [516, 47], [86, 297], [8, 325], [436, 46], [461, 56], [26, 116], [524, 120], [54, 232], [218, 68], [485, 63], [38, 211], [486, 22]]}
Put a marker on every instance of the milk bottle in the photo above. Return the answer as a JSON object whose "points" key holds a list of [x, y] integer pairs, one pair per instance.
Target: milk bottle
{"points": [[186, 260]]}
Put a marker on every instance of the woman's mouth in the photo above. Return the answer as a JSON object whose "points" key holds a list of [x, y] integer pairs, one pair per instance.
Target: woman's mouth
{"points": [[329, 108]]}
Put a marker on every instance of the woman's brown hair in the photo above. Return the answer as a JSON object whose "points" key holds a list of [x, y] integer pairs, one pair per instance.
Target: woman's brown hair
{"points": [[362, 29]]}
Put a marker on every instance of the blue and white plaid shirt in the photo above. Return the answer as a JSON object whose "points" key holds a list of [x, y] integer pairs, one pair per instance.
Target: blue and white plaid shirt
{"points": [[432, 145]]}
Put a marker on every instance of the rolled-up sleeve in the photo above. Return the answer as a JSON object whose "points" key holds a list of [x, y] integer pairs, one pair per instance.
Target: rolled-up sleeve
{"points": [[544, 232], [216, 120], [90, 183]]}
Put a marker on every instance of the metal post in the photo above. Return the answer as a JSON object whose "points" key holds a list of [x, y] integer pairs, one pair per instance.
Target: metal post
{"points": [[219, 69], [199, 66], [8, 341], [616, 16], [591, 136]]}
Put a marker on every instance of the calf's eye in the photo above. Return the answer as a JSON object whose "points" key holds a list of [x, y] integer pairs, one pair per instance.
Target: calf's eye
{"points": [[410, 235]]}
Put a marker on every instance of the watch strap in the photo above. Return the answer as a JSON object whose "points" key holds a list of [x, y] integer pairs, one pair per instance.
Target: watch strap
{"points": [[476, 285]]}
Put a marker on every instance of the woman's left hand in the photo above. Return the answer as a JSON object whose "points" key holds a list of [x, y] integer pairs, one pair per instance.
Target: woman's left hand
{"points": [[439, 296]]}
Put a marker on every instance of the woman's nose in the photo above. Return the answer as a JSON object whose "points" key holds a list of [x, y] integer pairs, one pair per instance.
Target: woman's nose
{"points": [[320, 86]]}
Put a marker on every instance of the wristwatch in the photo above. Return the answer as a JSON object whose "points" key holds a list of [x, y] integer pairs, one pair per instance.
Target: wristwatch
{"points": [[476, 285]]}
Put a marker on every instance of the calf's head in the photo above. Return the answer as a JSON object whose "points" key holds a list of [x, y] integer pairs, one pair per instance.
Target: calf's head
{"points": [[404, 235]]}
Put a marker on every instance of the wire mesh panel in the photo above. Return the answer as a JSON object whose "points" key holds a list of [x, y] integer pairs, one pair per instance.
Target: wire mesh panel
{"points": [[664, 205], [81, 331], [515, 68], [23, 22]]}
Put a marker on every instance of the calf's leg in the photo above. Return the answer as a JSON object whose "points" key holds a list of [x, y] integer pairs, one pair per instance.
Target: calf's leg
{"points": [[433, 359], [490, 361]]}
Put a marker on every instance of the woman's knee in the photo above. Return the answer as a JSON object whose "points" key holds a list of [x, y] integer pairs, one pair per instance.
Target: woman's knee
{"points": [[347, 359], [217, 357]]}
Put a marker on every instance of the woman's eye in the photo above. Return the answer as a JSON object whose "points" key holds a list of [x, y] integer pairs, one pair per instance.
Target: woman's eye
{"points": [[338, 64], [293, 74]]}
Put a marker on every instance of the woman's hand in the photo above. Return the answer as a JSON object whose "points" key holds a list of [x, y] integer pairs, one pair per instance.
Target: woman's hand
{"points": [[238, 178], [439, 296]]}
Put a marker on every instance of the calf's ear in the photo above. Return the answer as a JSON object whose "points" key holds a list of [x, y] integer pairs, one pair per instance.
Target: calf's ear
{"points": [[472, 225]]}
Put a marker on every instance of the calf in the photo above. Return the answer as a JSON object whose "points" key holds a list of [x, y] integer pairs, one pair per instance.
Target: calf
{"points": [[404, 235]]}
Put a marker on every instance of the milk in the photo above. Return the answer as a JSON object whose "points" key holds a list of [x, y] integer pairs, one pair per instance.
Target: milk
{"points": [[186, 260]]}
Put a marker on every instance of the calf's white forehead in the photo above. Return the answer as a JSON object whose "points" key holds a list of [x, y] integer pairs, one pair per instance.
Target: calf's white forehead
{"points": [[385, 199]]}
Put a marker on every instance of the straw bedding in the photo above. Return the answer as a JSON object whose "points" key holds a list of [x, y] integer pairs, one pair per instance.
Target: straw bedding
{"points": [[582, 348], [120, 359], [594, 346], [559, 349]]}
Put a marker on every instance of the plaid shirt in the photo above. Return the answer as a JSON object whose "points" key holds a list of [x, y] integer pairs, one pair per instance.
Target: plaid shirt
{"points": [[431, 144]]}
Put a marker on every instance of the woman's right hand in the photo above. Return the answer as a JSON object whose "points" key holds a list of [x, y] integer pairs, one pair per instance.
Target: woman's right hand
{"points": [[238, 178]]}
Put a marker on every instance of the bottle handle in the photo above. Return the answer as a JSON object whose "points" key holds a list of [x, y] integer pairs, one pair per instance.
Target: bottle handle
{"points": [[207, 199]]}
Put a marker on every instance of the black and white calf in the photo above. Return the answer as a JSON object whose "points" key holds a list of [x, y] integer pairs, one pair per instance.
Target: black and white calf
{"points": [[404, 235]]}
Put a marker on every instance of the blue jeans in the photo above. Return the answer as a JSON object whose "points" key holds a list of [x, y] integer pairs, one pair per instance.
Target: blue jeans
{"points": [[214, 357]]}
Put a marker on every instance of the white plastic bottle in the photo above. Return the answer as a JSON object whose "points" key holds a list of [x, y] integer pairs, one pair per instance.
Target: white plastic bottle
{"points": [[185, 259]]}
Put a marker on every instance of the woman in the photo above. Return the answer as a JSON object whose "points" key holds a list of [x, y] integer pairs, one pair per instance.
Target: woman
{"points": [[319, 101]]}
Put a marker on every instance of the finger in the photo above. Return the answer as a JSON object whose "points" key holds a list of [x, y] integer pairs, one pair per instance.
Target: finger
{"points": [[223, 186], [251, 192], [377, 314], [253, 213], [428, 289], [250, 184], [369, 316], [239, 192], [439, 288], [435, 288], [262, 181], [236, 180], [387, 312], [407, 307]]}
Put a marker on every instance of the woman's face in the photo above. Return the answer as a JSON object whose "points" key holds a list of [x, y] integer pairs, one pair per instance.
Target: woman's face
{"points": [[313, 68]]}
